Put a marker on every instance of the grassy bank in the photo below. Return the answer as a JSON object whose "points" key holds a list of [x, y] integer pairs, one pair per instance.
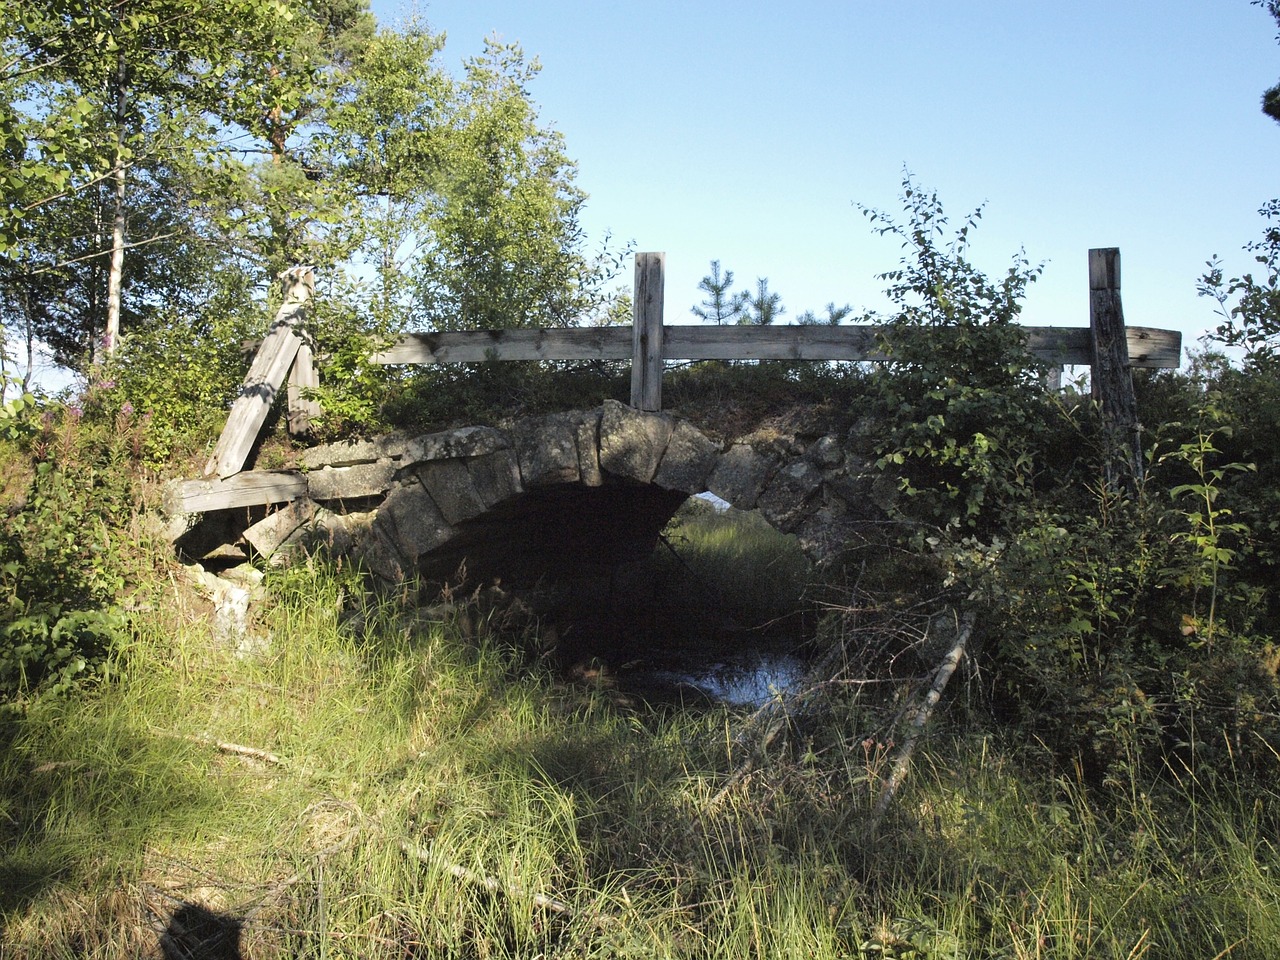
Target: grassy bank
{"points": [[402, 791]]}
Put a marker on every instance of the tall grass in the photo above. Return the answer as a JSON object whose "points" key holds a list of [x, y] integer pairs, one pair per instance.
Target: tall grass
{"points": [[731, 566], [402, 791]]}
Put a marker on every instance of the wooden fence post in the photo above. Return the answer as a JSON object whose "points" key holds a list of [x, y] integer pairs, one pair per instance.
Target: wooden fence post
{"points": [[1111, 378], [646, 332], [262, 384], [303, 376]]}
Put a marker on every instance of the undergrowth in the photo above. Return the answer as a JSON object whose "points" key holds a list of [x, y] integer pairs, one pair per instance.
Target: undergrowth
{"points": [[402, 790]]}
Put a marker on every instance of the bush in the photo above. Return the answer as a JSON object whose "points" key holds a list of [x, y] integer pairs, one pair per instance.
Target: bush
{"points": [[1123, 626], [174, 382], [61, 565], [958, 407]]}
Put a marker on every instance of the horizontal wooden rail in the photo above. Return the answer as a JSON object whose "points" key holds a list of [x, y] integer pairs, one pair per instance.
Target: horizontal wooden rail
{"points": [[1107, 346], [1065, 346]]}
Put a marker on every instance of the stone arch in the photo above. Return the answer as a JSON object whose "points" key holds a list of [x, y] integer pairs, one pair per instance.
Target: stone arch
{"points": [[582, 487], [592, 486]]}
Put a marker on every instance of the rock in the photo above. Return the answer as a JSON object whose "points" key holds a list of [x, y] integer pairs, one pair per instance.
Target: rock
{"points": [[267, 535], [740, 476], [496, 477], [230, 606], [582, 487], [827, 533], [379, 554], [410, 519], [688, 461], [632, 442], [588, 439], [826, 452], [547, 449], [785, 500], [449, 444], [248, 576], [335, 533], [450, 484], [347, 452], [351, 483]]}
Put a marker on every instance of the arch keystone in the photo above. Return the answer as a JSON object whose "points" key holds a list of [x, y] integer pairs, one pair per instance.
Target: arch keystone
{"points": [[632, 442]]}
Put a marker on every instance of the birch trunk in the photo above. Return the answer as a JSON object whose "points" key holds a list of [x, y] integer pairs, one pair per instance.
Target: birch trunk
{"points": [[119, 177]]}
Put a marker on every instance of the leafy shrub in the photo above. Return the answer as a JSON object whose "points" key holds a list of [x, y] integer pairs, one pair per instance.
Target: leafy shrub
{"points": [[58, 585], [956, 407], [61, 559], [174, 381], [1252, 321], [1122, 626]]}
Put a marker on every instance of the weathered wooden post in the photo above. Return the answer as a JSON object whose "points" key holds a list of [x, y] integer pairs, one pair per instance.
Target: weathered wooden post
{"points": [[1111, 378], [303, 377], [262, 384], [646, 332]]}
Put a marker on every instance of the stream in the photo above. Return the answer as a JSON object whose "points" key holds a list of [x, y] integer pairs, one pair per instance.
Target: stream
{"points": [[748, 678]]}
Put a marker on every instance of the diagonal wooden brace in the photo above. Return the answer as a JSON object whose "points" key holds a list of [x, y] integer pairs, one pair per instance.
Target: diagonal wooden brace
{"points": [[262, 384]]}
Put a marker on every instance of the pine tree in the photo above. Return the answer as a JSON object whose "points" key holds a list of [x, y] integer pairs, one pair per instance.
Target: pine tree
{"points": [[832, 319], [765, 307], [721, 305]]}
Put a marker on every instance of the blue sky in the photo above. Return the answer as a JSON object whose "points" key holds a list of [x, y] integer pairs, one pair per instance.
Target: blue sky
{"points": [[750, 132]]}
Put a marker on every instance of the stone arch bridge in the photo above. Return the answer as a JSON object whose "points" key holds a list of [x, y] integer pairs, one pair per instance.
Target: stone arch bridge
{"points": [[542, 495], [584, 487]]}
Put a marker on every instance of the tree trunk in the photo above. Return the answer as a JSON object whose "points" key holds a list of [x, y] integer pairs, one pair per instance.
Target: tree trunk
{"points": [[30, 373], [119, 176]]}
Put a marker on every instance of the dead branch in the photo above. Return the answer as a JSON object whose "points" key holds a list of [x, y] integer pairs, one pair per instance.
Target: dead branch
{"points": [[902, 762], [239, 750]]}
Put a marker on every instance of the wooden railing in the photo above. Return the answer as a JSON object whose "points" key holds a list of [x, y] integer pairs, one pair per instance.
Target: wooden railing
{"points": [[1107, 346], [649, 342]]}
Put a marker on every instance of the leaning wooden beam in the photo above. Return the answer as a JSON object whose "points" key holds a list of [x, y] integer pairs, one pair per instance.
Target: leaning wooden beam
{"points": [[303, 378], [1148, 346], [260, 387]]}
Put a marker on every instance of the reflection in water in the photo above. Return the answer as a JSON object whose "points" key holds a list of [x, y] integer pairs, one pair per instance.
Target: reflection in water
{"points": [[749, 679]]}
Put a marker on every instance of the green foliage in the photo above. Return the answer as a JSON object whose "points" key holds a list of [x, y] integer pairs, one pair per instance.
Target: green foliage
{"points": [[175, 381], [239, 142], [111, 116], [353, 393], [1113, 618], [834, 315], [18, 414], [722, 304], [454, 394], [1122, 625], [61, 572], [764, 308], [1249, 308], [505, 241], [728, 566], [1208, 524], [958, 403]]}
